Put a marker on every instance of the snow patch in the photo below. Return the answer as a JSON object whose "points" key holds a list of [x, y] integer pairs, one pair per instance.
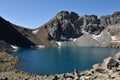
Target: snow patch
{"points": [[96, 37], [41, 46], [74, 40], [35, 31], [14, 47], [59, 44], [115, 39], [93, 36], [84, 32], [38, 46]]}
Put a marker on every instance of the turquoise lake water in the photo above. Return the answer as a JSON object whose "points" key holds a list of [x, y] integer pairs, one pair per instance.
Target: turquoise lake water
{"points": [[54, 60]]}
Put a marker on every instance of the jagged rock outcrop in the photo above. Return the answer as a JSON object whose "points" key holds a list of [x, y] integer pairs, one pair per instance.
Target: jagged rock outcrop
{"points": [[91, 24], [110, 19]]}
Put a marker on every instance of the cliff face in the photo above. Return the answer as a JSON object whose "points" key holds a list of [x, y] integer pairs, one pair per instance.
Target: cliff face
{"points": [[67, 28]]}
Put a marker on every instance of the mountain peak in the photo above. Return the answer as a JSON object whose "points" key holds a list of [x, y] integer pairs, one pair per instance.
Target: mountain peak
{"points": [[67, 15]]}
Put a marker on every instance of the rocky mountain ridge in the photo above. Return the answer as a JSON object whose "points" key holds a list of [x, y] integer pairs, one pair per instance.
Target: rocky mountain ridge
{"points": [[66, 28]]}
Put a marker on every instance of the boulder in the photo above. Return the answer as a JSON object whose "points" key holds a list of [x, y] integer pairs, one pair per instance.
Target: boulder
{"points": [[110, 63]]}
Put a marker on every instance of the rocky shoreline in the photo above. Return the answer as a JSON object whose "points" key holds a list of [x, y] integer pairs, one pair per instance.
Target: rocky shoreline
{"points": [[108, 70]]}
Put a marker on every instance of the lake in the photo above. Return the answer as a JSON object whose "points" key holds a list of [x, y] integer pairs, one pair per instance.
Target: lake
{"points": [[54, 60]]}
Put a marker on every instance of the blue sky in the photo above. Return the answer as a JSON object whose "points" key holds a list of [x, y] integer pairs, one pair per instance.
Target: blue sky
{"points": [[34, 13]]}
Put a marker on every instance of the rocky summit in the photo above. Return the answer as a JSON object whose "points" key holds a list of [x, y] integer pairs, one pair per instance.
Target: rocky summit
{"points": [[65, 29]]}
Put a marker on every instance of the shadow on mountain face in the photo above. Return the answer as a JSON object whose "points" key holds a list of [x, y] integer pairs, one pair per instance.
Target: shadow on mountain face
{"points": [[10, 35]]}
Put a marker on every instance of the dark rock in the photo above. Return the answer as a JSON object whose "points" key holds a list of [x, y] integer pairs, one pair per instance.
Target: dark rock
{"points": [[93, 29], [4, 78], [91, 24], [55, 77], [90, 19], [110, 63], [100, 70], [70, 31], [5, 47], [73, 16]]}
